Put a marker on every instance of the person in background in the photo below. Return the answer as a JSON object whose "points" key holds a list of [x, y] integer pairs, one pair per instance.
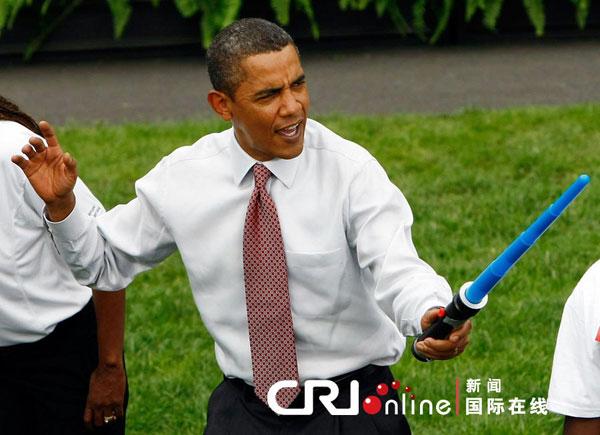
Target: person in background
{"points": [[61, 353], [575, 382]]}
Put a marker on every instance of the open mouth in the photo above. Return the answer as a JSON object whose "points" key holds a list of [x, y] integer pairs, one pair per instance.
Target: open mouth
{"points": [[291, 131]]}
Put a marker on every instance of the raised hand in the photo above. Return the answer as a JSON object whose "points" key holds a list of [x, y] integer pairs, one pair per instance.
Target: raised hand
{"points": [[51, 172]]}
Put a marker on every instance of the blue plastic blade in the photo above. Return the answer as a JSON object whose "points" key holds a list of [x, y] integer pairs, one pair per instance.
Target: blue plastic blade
{"points": [[486, 281]]}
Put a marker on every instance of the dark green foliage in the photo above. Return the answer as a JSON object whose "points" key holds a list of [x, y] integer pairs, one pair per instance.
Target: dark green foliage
{"points": [[535, 11], [282, 11], [121, 11], [582, 7], [490, 8], [429, 17]]}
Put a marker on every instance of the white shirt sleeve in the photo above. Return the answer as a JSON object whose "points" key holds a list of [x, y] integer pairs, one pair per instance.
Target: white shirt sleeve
{"points": [[380, 222], [107, 252], [575, 382], [88, 203]]}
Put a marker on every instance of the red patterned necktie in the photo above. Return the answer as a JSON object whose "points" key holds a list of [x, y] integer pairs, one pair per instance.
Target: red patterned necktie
{"points": [[272, 342]]}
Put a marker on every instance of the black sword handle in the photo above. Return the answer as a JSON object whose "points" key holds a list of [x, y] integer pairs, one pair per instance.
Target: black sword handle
{"points": [[457, 312]]}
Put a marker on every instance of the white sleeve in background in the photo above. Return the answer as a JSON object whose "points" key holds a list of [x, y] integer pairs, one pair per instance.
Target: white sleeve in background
{"points": [[575, 382], [107, 252], [380, 222], [18, 136]]}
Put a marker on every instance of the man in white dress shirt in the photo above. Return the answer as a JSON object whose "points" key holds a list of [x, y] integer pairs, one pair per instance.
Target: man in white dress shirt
{"points": [[292, 237], [51, 350], [575, 383]]}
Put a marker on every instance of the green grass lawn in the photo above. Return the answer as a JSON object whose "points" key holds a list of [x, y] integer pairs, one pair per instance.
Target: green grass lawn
{"points": [[474, 180]]}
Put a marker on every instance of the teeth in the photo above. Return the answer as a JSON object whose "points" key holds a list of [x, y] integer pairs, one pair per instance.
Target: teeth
{"points": [[290, 131]]}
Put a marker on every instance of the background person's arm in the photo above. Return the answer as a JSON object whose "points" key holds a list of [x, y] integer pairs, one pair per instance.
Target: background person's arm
{"points": [[574, 389], [107, 384], [581, 426]]}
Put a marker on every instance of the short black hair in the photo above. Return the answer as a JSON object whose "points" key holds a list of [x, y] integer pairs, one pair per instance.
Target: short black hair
{"points": [[241, 39], [9, 111]]}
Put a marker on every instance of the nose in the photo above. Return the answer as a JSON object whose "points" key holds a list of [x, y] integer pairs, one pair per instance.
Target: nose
{"points": [[289, 103]]}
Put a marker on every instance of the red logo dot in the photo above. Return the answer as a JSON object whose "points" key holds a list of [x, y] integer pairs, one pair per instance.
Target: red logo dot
{"points": [[412, 396], [395, 385], [372, 405], [382, 389], [407, 389]]}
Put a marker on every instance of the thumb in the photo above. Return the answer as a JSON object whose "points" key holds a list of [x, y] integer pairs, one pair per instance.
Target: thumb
{"points": [[429, 317]]}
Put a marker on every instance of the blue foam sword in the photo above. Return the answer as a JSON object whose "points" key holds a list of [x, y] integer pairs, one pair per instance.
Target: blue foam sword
{"points": [[469, 301]]}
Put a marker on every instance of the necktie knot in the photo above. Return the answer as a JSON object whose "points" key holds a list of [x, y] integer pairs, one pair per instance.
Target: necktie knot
{"points": [[261, 175]]}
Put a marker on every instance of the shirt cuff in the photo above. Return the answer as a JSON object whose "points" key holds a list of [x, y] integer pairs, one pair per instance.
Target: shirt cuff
{"points": [[71, 227]]}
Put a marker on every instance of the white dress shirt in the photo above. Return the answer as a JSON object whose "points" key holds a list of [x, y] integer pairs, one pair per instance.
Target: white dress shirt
{"points": [[37, 289], [356, 282], [575, 382]]}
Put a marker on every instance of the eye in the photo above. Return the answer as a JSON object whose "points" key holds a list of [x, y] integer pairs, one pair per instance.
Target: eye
{"points": [[299, 83], [266, 96]]}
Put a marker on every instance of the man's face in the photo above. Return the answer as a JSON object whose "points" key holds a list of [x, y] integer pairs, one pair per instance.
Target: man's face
{"points": [[270, 105]]}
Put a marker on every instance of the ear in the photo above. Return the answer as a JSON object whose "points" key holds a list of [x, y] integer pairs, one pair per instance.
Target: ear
{"points": [[220, 103]]}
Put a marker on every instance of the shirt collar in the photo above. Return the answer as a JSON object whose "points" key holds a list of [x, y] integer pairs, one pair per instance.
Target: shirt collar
{"points": [[283, 169]]}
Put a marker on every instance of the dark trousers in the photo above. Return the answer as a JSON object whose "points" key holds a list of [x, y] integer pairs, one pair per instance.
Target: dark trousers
{"points": [[234, 409], [44, 385]]}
